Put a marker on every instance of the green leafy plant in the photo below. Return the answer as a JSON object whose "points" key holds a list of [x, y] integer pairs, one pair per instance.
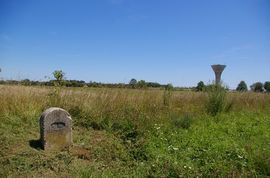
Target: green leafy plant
{"points": [[167, 94], [216, 100], [59, 76], [183, 121]]}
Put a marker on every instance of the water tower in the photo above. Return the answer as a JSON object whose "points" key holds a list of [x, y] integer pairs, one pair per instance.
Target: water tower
{"points": [[218, 69]]}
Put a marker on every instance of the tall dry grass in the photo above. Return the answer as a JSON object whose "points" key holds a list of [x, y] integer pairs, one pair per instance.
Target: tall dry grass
{"points": [[21, 100]]}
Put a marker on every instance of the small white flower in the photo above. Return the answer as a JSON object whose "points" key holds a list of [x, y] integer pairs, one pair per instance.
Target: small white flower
{"points": [[239, 156]]}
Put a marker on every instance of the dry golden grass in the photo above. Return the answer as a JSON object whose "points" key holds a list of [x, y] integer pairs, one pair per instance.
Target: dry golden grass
{"points": [[22, 99]]}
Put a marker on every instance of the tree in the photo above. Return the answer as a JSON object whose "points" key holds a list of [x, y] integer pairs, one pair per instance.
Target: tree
{"points": [[267, 86], [141, 84], [169, 86], [257, 87], [59, 76], [200, 86], [242, 86], [133, 81], [26, 82], [153, 84]]}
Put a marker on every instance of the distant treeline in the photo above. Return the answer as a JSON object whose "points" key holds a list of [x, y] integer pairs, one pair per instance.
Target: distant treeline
{"points": [[242, 87], [81, 83]]}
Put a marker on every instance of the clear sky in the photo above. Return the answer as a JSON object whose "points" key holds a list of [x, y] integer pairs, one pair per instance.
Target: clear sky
{"points": [[165, 41]]}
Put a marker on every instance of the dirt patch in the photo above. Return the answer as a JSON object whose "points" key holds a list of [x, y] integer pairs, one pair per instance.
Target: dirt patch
{"points": [[81, 153]]}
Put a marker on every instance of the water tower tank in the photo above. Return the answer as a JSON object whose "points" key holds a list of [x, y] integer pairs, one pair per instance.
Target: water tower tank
{"points": [[218, 69]]}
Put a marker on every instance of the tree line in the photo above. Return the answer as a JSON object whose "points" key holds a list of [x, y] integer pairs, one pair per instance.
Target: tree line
{"points": [[59, 80], [242, 87], [81, 83]]}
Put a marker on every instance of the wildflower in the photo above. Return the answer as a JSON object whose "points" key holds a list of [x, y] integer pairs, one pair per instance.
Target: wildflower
{"points": [[239, 156], [173, 148]]}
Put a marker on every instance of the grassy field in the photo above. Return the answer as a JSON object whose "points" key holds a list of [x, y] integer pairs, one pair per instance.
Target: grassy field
{"points": [[136, 133]]}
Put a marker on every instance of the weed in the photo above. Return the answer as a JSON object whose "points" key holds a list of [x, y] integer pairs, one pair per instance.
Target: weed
{"points": [[183, 121], [217, 101], [167, 95]]}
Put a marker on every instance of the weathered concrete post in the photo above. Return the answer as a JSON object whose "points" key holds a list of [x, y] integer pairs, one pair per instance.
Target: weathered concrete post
{"points": [[55, 129]]}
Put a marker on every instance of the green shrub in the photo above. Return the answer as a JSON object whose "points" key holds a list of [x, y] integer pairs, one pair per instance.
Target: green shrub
{"points": [[262, 164], [216, 101], [81, 118], [167, 95], [183, 121]]}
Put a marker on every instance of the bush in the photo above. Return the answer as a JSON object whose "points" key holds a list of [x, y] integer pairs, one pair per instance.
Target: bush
{"points": [[216, 102], [167, 95], [183, 122]]}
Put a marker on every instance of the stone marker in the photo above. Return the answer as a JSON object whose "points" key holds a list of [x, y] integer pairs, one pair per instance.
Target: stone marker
{"points": [[55, 129]]}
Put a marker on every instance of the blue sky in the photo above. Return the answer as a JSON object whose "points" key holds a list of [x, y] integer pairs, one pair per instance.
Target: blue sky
{"points": [[165, 41]]}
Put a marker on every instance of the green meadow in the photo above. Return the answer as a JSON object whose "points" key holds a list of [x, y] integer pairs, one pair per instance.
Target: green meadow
{"points": [[137, 133]]}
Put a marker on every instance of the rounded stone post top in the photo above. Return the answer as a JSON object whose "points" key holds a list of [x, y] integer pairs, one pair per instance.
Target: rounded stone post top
{"points": [[55, 128], [53, 109]]}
